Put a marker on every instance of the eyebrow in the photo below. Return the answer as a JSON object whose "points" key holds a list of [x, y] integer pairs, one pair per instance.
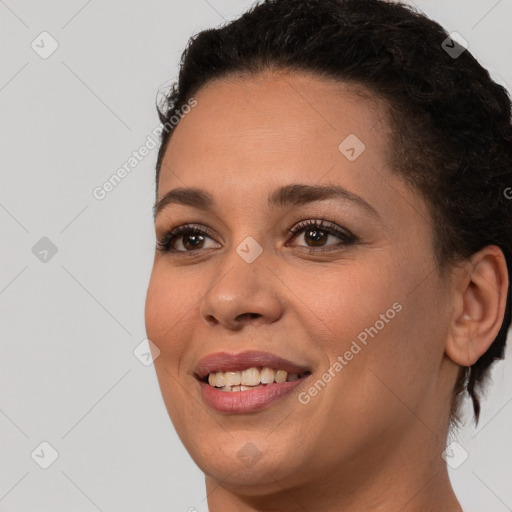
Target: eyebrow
{"points": [[287, 195]]}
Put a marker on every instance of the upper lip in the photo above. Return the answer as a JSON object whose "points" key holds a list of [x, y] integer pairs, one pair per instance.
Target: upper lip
{"points": [[224, 362]]}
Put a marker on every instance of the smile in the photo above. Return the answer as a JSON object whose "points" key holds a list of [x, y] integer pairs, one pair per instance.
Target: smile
{"points": [[251, 378], [248, 381]]}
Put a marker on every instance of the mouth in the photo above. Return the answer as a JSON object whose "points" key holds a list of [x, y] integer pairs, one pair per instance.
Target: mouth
{"points": [[251, 378], [249, 368], [248, 381]]}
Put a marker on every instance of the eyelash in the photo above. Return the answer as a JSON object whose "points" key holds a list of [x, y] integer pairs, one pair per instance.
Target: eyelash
{"points": [[331, 229], [166, 241]]}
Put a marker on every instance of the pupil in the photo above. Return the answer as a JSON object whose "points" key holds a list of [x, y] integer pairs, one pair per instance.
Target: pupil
{"points": [[191, 241], [317, 236]]}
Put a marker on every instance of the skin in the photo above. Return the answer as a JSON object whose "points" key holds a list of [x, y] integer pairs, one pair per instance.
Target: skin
{"points": [[372, 438]]}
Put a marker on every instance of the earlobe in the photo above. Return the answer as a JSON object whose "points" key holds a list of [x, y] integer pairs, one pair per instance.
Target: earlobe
{"points": [[480, 289]]}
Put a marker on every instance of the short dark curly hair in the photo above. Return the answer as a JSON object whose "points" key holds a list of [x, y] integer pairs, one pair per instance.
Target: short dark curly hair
{"points": [[451, 123]]}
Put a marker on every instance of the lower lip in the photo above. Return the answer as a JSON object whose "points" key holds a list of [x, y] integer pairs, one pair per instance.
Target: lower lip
{"points": [[251, 400]]}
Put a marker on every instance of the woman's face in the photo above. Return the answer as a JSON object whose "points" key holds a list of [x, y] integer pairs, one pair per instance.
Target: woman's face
{"points": [[357, 303]]}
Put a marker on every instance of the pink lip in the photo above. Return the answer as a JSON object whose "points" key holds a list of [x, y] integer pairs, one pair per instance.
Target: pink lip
{"points": [[225, 362], [253, 399], [246, 401]]}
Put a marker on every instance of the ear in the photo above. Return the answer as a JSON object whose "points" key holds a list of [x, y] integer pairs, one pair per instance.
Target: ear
{"points": [[479, 301]]}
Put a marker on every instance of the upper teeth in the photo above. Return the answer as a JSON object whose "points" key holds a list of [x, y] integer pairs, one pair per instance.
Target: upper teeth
{"points": [[250, 377]]}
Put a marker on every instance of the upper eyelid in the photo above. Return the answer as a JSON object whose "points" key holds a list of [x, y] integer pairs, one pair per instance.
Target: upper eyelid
{"points": [[322, 223], [301, 224], [330, 227]]}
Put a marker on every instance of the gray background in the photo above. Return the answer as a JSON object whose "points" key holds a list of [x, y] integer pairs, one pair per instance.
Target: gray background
{"points": [[70, 323]]}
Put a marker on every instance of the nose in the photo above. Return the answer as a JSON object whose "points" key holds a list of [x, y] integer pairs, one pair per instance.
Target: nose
{"points": [[242, 294]]}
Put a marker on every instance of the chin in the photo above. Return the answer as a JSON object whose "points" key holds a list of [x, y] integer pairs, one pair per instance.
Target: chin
{"points": [[243, 460]]}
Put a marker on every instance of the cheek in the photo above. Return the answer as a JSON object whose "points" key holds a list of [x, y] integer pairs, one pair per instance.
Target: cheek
{"points": [[167, 309], [404, 358], [383, 320], [340, 304], [156, 320]]}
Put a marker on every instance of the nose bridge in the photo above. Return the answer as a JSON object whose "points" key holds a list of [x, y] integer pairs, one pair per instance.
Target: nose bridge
{"points": [[242, 271], [242, 288]]}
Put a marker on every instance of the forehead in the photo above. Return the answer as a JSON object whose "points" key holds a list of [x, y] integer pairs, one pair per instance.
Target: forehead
{"points": [[275, 116], [251, 135]]}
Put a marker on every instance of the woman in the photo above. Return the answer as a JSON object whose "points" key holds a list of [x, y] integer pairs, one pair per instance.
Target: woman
{"points": [[333, 254]]}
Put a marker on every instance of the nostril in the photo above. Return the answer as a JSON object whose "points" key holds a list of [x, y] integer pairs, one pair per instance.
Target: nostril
{"points": [[252, 316]]}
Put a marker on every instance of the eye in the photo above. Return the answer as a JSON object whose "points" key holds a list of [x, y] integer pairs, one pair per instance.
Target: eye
{"points": [[186, 238], [316, 234]]}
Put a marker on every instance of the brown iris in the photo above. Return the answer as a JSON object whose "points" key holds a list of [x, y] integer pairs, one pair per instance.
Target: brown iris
{"points": [[317, 236], [193, 241]]}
